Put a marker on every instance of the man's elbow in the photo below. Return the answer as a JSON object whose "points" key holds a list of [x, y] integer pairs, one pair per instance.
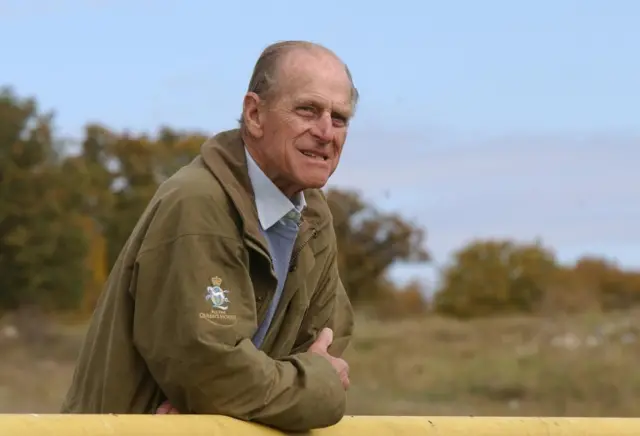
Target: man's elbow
{"points": [[334, 415], [283, 396], [305, 419], [234, 403], [295, 418]]}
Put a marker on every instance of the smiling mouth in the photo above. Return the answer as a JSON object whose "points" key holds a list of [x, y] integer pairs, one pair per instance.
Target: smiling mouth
{"points": [[313, 155]]}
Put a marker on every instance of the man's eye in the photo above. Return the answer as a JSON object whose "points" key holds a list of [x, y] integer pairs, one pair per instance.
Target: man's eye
{"points": [[339, 121], [306, 110]]}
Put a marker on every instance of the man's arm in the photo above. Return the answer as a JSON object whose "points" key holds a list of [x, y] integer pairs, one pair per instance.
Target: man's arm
{"points": [[203, 360]]}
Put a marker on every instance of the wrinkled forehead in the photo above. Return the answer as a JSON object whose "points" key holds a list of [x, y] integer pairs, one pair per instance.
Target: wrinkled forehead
{"points": [[316, 76]]}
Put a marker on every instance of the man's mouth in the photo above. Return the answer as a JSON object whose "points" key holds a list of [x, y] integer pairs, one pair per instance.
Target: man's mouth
{"points": [[314, 155]]}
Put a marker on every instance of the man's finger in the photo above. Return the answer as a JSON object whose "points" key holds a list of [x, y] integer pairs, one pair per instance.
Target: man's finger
{"points": [[164, 408], [325, 338], [346, 382]]}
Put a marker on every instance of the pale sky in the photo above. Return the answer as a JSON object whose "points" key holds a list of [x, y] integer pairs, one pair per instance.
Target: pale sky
{"points": [[477, 118]]}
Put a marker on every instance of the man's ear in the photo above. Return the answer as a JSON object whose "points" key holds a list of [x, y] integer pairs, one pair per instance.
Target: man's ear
{"points": [[251, 112]]}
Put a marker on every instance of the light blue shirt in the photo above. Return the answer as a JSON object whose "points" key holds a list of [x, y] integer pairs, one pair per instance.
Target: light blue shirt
{"points": [[279, 219]]}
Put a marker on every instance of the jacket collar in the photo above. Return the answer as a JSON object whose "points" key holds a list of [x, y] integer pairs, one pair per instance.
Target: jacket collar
{"points": [[271, 203], [224, 155]]}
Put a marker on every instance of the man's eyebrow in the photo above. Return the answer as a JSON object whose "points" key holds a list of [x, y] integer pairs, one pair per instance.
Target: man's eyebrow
{"points": [[309, 101], [343, 109], [342, 112]]}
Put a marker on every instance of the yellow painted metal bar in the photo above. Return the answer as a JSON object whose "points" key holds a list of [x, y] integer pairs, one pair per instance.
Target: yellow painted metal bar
{"points": [[200, 425]]}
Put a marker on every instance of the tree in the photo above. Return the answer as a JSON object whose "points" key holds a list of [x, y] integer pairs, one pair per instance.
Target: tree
{"points": [[42, 244], [492, 277], [615, 288], [369, 243], [401, 303], [65, 218], [123, 170]]}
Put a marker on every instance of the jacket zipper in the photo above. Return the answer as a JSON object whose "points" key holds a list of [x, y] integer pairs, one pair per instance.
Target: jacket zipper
{"points": [[294, 256], [266, 302]]}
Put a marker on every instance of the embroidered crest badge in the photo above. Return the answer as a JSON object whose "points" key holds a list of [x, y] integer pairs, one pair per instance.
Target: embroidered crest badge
{"points": [[216, 295]]}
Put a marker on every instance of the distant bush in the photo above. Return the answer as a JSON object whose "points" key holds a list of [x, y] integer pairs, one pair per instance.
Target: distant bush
{"points": [[406, 302], [494, 277]]}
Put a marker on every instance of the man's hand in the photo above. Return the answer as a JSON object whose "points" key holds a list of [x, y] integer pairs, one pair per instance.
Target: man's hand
{"points": [[320, 346], [167, 409]]}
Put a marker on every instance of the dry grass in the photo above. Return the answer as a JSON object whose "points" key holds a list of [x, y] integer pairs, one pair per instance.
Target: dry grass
{"points": [[577, 366]]}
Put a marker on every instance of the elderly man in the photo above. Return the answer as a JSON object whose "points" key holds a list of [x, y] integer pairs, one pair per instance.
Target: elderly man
{"points": [[226, 298]]}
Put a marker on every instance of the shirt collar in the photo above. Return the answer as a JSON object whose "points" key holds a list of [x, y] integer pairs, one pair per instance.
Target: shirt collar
{"points": [[271, 203]]}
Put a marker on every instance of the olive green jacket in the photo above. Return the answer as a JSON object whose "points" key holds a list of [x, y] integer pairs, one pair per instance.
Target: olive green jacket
{"points": [[187, 293]]}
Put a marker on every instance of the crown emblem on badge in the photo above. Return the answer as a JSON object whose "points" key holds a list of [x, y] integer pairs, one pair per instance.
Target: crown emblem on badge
{"points": [[216, 295]]}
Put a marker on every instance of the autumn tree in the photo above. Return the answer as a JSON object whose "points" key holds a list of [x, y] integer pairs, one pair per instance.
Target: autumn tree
{"points": [[64, 218], [492, 277], [569, 293], [123, 171], [369, 243], [614, 287], [407, 301], [42, 244]]}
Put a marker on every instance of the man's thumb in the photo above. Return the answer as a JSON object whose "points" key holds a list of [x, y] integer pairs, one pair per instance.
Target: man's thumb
{"points": [[325, 338]]}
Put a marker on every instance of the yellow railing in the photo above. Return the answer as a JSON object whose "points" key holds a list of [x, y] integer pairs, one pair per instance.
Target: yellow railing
{"points": [[193, 425]]}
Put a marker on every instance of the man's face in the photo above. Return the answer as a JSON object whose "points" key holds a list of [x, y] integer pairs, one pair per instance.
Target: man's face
{"points": [[304, 126]]}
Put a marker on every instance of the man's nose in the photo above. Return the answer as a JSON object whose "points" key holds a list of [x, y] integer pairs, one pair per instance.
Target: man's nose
{"points": [[323, 128]]}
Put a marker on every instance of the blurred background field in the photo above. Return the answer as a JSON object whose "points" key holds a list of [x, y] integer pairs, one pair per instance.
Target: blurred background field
{"points": [[485, 205], [580, 365]]}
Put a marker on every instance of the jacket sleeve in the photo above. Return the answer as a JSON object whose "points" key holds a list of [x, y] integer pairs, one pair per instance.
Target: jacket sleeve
{"points": [[199, 351], [330, 307]]}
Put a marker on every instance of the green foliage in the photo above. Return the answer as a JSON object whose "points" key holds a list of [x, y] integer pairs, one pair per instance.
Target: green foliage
{"points": [[492, 277], [42, 245], [617, 289], [504, 277], [369, 243], [123, 172]]}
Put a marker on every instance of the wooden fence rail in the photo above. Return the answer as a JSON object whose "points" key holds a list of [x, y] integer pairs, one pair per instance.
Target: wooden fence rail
{"points": [[198, 425]]}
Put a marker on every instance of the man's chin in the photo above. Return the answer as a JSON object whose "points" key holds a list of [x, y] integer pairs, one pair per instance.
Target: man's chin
{"points": [[318, 183]]}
